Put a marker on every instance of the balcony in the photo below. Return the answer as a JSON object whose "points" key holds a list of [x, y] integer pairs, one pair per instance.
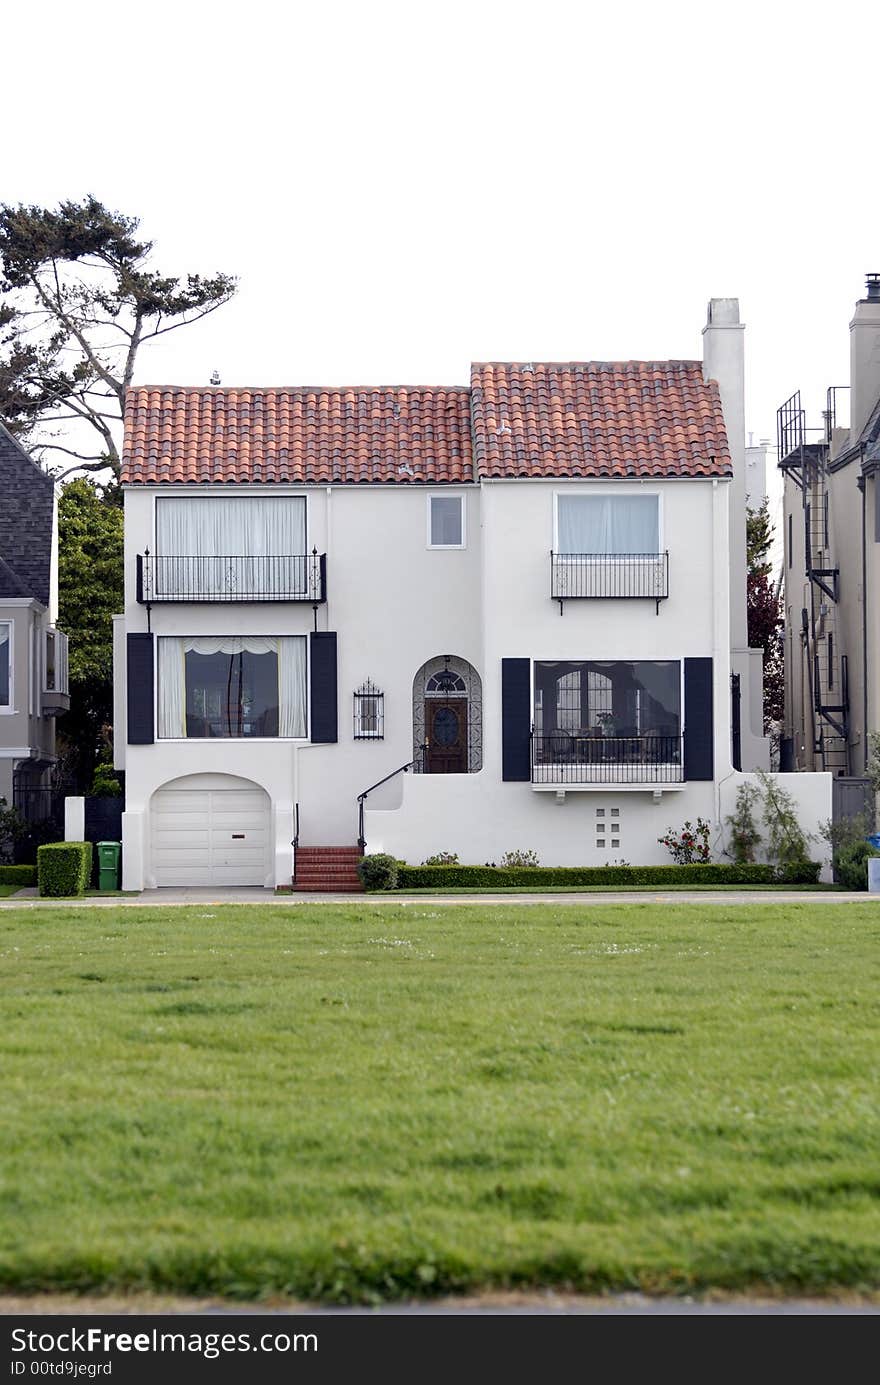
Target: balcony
{"points": [[621, 576], [294, 577], [575, 759]]}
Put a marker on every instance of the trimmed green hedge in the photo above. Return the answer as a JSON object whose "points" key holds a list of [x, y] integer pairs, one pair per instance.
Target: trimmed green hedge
{"points": [[64, 868], [18, 875], [497, 877]]}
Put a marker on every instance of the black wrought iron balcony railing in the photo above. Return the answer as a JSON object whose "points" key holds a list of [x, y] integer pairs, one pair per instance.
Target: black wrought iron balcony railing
{"points": [[575, 757], [623, 575], [294, 577]]}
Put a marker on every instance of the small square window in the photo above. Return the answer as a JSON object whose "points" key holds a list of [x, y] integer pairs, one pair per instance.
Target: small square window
{"points": [[445, 521], [615, 842], [600, 812], [601, 841], [615, 812]]}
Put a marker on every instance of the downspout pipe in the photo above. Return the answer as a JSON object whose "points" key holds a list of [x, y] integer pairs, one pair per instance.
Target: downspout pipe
{"points": [[863, 488]]}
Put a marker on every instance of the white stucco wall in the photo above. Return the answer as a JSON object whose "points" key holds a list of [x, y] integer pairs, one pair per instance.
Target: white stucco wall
{"points": [[395, 604]]}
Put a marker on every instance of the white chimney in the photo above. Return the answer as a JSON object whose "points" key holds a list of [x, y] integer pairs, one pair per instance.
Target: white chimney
{"points": [[864, 358], [724, 361]]}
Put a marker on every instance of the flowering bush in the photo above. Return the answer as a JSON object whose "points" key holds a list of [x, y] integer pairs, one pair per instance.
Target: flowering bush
{"points": [[690, 845], [442, 858], [520, 858]]}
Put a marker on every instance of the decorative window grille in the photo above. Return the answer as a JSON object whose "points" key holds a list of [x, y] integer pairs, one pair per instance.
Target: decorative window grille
{"points": [[369, 713]]}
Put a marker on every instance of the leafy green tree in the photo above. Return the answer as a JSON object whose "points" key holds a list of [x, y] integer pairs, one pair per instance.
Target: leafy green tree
{"points": [[78, 299], [764, 612], [90, 590]]}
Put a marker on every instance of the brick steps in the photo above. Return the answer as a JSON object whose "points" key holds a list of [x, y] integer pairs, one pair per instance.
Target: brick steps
{"points": [[327, 870]]}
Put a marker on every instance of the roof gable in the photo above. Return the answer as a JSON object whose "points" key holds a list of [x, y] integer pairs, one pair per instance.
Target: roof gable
{"points": [[27, 508], [298, 436], [597, 419]]}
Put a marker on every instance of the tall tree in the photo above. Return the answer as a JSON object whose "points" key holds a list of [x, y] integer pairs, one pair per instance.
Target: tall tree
{"points": [[90, 593], [78, 299], [764, 612]]}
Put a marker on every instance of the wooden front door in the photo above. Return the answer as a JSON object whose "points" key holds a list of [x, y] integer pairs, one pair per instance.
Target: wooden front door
{"points": [[446, 725]]}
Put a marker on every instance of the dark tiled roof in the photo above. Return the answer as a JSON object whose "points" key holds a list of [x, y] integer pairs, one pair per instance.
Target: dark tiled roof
{"points": [[302, 436], [597, 418], [26, 512]]}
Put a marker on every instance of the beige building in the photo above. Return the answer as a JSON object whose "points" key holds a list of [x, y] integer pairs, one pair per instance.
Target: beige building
{"points": [[832, 562]]}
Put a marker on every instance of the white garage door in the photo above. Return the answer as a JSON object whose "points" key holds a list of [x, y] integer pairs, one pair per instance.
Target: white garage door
{"points": [[210, 837]]}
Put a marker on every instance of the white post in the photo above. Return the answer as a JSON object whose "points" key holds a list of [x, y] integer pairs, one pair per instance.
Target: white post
{"points": [[74, 819]]}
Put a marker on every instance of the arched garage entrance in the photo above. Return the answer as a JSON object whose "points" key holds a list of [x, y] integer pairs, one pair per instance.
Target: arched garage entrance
{"points": [[211, 829]]}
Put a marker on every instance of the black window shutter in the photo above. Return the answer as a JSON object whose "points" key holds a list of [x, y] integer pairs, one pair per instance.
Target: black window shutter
{"points": [[516, 719], [698, 726], [139, 665], [322, 650]]}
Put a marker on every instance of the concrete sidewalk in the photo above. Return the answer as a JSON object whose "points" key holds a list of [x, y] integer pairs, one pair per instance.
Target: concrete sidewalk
{"points": [[163, 898]]}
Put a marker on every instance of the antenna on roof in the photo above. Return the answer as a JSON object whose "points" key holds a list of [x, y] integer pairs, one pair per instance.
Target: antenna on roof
{"points": [[215, 377]]}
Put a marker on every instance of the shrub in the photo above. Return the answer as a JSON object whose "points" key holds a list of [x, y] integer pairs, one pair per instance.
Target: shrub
{"points": [[12, 828], [851, 865], [844, 835], [442, 858], [105, 784], [498, 877], [520, 859], [18, 875], [379, 872], [64, 868], [799, 873], [744, 834], [786, 839], [689, 846]]}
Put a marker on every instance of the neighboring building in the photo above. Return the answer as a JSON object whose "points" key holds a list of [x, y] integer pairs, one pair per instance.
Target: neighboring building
{"points": [[33, 652], [532, 590], [832, 563]]}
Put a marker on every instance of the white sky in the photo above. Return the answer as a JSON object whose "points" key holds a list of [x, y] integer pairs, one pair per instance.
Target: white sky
{"points": [[403, 188]]}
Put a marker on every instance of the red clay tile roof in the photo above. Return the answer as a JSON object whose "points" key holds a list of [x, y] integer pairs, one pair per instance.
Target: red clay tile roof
{"points": [[591, 418], [302, 436], [597, 418]]}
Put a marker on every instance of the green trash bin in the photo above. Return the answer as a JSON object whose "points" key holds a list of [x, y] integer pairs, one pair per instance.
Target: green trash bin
{"points": [[109, 854]]}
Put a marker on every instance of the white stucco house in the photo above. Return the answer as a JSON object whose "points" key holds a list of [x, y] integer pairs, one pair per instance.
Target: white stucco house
{"points": [[531, 590]]}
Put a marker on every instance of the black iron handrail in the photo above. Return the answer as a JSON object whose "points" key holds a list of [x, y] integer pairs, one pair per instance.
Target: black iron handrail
{"points": [[624, 576], [574, 757], [401, 769], [295, 842], [232, 577]]}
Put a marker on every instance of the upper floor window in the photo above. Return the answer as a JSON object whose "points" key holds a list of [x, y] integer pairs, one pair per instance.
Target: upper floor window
{"points": [[223, 547], [5, 664], [55, 662], [446, 522], [612, 523], [230, 526]]}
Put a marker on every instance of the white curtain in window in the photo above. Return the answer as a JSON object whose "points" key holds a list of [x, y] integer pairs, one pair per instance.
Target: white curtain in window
{"points": [[292, 687], [608, 523], [292, 683], [251, 529], [171, 677]]}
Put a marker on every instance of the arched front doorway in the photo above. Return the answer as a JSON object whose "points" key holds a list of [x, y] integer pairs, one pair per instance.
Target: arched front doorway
{"points": [[448, 717]]}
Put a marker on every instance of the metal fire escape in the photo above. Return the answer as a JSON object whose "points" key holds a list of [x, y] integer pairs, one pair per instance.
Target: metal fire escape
{"points": [[825, 667]]}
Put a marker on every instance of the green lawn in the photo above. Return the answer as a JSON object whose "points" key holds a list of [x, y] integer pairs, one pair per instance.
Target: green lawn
{"points": [[7, 890], [376, 1099]]}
